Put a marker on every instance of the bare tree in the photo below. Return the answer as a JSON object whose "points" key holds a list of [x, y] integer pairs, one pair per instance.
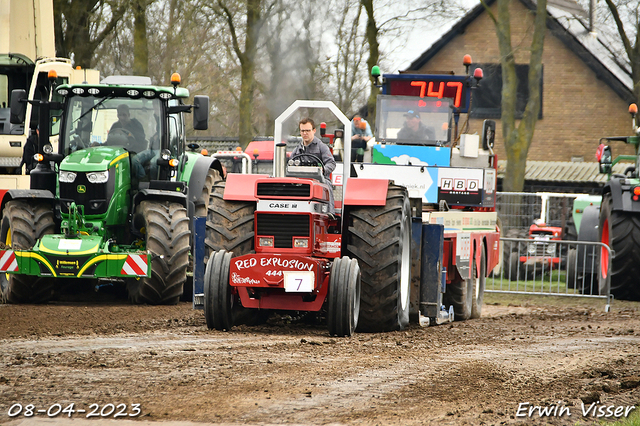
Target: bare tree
{"points": [[140, 45], [518, 139], [397, 19], [244, 19], [82, 25], [628, 32]]}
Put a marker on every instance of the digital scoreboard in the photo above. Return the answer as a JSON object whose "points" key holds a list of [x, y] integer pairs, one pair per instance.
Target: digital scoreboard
{"points": [[432, 87]]}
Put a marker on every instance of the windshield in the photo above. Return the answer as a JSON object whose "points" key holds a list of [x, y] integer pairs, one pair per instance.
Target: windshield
{"points": [[133, 124], [413, 121]]}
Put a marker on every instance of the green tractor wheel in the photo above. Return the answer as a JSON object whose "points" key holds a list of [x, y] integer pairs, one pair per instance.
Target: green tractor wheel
{"points": [[23, 224], [167, 233]]}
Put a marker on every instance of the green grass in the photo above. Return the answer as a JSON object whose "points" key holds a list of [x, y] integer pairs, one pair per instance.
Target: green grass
{"points": [[555, 282], [632, 420]]}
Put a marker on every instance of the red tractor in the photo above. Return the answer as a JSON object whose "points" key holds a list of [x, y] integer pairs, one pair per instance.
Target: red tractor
{"points": [[284, 250]]}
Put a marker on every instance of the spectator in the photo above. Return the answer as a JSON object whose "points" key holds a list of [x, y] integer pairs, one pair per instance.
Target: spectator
{"points": [[360, 135]]}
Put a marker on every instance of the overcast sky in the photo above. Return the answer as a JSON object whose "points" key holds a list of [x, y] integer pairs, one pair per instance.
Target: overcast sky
{"points": [[400, 54]]}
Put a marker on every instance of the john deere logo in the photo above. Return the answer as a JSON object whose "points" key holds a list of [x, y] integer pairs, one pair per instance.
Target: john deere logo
{"points": [[82, 189]]}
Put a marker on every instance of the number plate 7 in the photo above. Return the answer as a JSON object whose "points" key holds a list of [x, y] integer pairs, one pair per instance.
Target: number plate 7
{"points": [[298, 281]]}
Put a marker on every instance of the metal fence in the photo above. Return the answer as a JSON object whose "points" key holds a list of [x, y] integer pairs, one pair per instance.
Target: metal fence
{"points": [[544, 266], [546, 260], [519, 210]]}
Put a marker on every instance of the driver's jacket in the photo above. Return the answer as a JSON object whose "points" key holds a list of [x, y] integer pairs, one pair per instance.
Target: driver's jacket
{"points": [[320, 150]]}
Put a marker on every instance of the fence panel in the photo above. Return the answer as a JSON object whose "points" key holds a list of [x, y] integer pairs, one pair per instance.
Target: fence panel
{"points": [[544, 266]]}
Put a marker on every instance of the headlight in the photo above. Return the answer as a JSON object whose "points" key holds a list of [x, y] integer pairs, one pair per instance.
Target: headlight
{"points": [[98, 177], [301, 242], [265, 241], [66, 177], [551, 249], [531, 248], [47, 149]]}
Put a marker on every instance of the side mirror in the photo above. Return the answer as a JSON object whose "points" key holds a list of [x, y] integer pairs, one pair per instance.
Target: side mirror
{"points": [[488, 134], [200, 112], [603, 156], [18, 106]]}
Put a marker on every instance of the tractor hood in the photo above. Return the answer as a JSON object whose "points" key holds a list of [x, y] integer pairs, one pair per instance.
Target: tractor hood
{"points": [[93, 159]]}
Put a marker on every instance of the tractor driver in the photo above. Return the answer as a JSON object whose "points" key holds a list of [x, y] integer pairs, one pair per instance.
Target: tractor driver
{"points": [[131, 125], [310, 144], [414, 129]]}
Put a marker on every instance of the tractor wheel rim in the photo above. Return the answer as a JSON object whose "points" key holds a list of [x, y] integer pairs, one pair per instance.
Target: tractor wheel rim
{"points": [[604, 252]]}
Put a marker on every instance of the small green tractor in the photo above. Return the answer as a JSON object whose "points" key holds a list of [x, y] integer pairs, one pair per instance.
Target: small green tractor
{"points": [[113, 202]]}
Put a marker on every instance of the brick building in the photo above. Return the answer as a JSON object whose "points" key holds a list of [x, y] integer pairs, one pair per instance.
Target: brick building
{"points": [[585, 94]]}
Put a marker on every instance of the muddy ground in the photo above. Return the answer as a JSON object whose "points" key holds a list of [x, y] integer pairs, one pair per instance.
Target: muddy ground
{"points": [[563, 355]]}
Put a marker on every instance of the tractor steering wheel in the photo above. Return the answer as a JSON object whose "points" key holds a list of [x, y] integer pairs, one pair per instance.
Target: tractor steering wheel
{"points": [[314, 158], [120, 136]]}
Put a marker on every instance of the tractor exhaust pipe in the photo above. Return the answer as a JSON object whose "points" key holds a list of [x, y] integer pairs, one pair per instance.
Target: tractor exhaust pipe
{"points": [[279, 160]]}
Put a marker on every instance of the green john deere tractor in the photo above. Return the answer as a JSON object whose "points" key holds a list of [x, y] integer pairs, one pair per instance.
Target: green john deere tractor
{"points": [[113, 201]]}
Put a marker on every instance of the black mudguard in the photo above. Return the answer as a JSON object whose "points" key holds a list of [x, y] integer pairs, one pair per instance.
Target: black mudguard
{"points": [[621, 196], [29, 194], [199, 174]]}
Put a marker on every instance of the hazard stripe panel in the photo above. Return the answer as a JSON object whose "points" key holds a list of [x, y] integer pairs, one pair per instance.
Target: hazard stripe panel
{"points": [[8, 262], [136, 264]]}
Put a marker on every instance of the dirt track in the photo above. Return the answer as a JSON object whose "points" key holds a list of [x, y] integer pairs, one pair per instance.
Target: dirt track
{"points": [[165, 359]]}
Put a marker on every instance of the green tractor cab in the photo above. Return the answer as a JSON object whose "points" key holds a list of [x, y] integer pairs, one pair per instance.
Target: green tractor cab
{"points": [[112, 201]]}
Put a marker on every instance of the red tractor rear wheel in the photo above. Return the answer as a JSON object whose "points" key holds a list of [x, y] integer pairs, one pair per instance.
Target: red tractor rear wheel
{"points": [[379, 237]]}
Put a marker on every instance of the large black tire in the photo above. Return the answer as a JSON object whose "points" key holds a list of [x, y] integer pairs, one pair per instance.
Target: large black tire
{"points": [[230, 227], [514, 270], [23, 224], [229, 223], [344, 297], [201, 207], [202, 203], [461, 294], [218, 295], [509, 247], [167, 234], [621, 231], [379, 237], [479, 284]]}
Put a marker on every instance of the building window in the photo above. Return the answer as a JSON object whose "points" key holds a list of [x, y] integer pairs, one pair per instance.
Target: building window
{"points": [[487, 98]]}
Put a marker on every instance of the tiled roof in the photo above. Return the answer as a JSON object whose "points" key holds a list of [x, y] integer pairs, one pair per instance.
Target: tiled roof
{"points": [[594, 48], [563, 171]]}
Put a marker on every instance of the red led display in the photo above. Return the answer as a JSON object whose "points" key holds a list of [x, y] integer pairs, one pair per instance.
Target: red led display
{"points": [[456, 90]]}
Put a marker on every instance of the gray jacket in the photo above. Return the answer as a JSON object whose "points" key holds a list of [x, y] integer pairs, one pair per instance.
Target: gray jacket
{"points": [[320, 150]]}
